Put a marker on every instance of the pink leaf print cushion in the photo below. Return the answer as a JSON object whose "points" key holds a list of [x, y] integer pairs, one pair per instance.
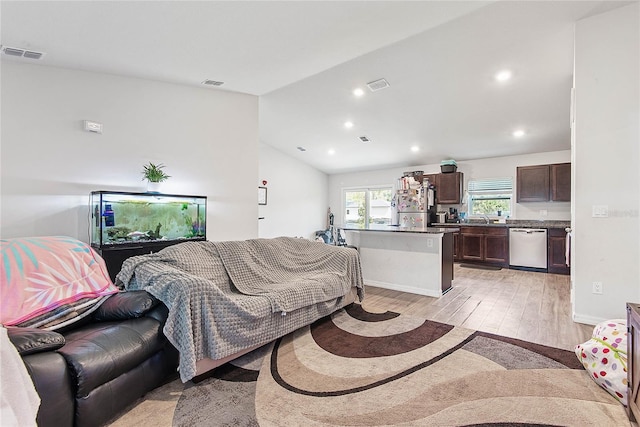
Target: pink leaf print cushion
{"points": [[40, 274], [604, 356]]}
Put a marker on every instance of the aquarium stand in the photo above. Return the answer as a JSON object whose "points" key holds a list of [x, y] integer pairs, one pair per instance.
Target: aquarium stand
{"points": [[115, 255]]}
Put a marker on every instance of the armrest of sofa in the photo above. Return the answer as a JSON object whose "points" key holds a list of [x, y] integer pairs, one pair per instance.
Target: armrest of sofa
{"points": [[34, 340], [125, 305], [160, 313]]}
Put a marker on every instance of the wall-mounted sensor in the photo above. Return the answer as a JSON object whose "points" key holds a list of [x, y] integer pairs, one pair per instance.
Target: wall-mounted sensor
{"points": [[94, 127]]}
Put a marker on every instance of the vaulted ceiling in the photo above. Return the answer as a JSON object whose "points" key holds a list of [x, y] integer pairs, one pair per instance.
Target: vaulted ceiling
{"points": [[304, 59]]}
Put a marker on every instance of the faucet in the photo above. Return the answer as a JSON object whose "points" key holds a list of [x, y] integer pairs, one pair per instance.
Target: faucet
{"points": [[486, 218]]}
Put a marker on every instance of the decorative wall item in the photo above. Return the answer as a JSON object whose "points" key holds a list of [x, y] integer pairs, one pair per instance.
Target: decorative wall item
{"points": [[154, 175], [262, 195]]}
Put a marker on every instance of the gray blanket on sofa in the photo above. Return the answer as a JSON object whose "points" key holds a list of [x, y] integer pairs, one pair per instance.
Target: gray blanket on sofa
{"points": [[291, 273], [224, 297]]}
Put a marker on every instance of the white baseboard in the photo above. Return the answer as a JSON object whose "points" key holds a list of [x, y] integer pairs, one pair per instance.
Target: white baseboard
{"points": [[587, 320], [403, 288]]}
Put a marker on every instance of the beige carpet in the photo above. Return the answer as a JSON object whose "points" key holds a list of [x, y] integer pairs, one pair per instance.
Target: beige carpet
{"points": [[364, 369]]}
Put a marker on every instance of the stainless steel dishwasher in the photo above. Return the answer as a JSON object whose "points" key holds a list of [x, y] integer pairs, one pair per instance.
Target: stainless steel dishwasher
{"points": [[528, 248]]}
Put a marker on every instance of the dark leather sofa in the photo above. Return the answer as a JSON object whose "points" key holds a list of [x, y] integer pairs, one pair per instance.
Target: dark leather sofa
{"points": [[88, 374]]}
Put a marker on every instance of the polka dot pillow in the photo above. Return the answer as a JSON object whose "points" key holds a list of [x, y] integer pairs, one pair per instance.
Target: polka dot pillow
{"points": [[604, 356]]}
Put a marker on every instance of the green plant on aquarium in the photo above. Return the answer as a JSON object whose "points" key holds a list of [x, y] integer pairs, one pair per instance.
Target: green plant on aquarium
{"points": [[154, 173]]}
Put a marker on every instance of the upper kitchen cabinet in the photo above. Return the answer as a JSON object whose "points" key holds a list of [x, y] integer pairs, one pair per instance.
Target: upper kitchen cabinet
{"points": [[432, 177], [532, 183], [561, 182], [543, 183], [449, 188]]}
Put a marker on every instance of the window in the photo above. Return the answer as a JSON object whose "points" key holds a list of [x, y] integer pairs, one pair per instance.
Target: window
{"points": [[491, 197], [367, 206]]}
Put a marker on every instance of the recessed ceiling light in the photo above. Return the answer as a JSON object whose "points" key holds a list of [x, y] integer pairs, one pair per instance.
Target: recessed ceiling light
{"points": [[415, 148], [331, 152], [519, 133], [358, 92], [503, 75], [348, 125]]}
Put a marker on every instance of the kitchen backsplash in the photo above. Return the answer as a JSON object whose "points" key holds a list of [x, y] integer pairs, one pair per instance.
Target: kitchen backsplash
{"points": [[546, 211], [560, 211]]}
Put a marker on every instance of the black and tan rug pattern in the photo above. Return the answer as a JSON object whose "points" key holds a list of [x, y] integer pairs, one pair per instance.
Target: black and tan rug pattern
{"points": [[365, 369]]}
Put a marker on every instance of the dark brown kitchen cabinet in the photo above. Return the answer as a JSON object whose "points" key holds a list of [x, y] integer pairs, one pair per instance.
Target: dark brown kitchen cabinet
{"points": [[532, 183], [432, 177], [457, 255], [543, 183], [449, 188], [472, 245], [560, 182], [496, 246], [487, 245], [556, 251]]}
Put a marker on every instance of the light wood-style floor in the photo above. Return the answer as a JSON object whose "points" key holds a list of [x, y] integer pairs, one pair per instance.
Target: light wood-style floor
{"points": [[531, 306]]}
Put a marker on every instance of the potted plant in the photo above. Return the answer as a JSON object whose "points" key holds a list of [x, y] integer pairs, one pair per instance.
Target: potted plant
{"points": [[154, 175]]}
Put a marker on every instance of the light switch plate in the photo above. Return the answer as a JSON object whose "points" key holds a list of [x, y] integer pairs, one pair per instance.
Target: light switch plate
{"points": [[600, 211]]}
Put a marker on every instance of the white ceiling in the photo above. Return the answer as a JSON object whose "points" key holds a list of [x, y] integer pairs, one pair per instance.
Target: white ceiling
{"points": [[304, 58]]}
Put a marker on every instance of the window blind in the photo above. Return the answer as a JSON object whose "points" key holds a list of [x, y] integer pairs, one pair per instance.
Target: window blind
{"points": [[490, 185]]}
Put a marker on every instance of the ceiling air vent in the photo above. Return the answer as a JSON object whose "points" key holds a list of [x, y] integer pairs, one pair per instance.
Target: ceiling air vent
{"points": [[377, 85], [364, 139], [32, 55], [301, 149], [14, 51], [212, 83]]}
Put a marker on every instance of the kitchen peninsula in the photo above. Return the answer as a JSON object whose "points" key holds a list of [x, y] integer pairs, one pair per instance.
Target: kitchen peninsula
{"points": [[409, 259]]}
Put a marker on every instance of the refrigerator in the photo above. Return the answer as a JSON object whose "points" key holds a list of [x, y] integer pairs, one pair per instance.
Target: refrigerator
{"points": [[415, 203]]}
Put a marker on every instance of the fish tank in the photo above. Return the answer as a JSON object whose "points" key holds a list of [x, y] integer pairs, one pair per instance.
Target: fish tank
{"points": [[122, 218]]}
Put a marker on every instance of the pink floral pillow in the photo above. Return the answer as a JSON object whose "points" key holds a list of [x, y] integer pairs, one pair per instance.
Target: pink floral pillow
{"points": [[41, 274], [604, 356]]}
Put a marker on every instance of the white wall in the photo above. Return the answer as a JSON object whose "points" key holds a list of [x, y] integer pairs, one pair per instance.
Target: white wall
{"points": [[472, 169], [297, 200], [207, 138], [607, 164]]}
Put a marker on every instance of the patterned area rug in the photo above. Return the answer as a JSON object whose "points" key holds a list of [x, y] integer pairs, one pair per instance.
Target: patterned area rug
{"points": [[364, 369]]}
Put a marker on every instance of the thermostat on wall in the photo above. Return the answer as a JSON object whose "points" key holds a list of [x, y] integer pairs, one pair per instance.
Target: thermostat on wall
{"points": [[90, 126]]}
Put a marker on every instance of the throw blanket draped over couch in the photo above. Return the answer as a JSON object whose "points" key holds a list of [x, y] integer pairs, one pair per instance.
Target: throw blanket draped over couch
{"points": [[225, 297]]}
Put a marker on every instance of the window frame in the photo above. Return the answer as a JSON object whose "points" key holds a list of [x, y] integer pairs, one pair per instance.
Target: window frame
{"points": [[367, 208], [490, 186]]}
